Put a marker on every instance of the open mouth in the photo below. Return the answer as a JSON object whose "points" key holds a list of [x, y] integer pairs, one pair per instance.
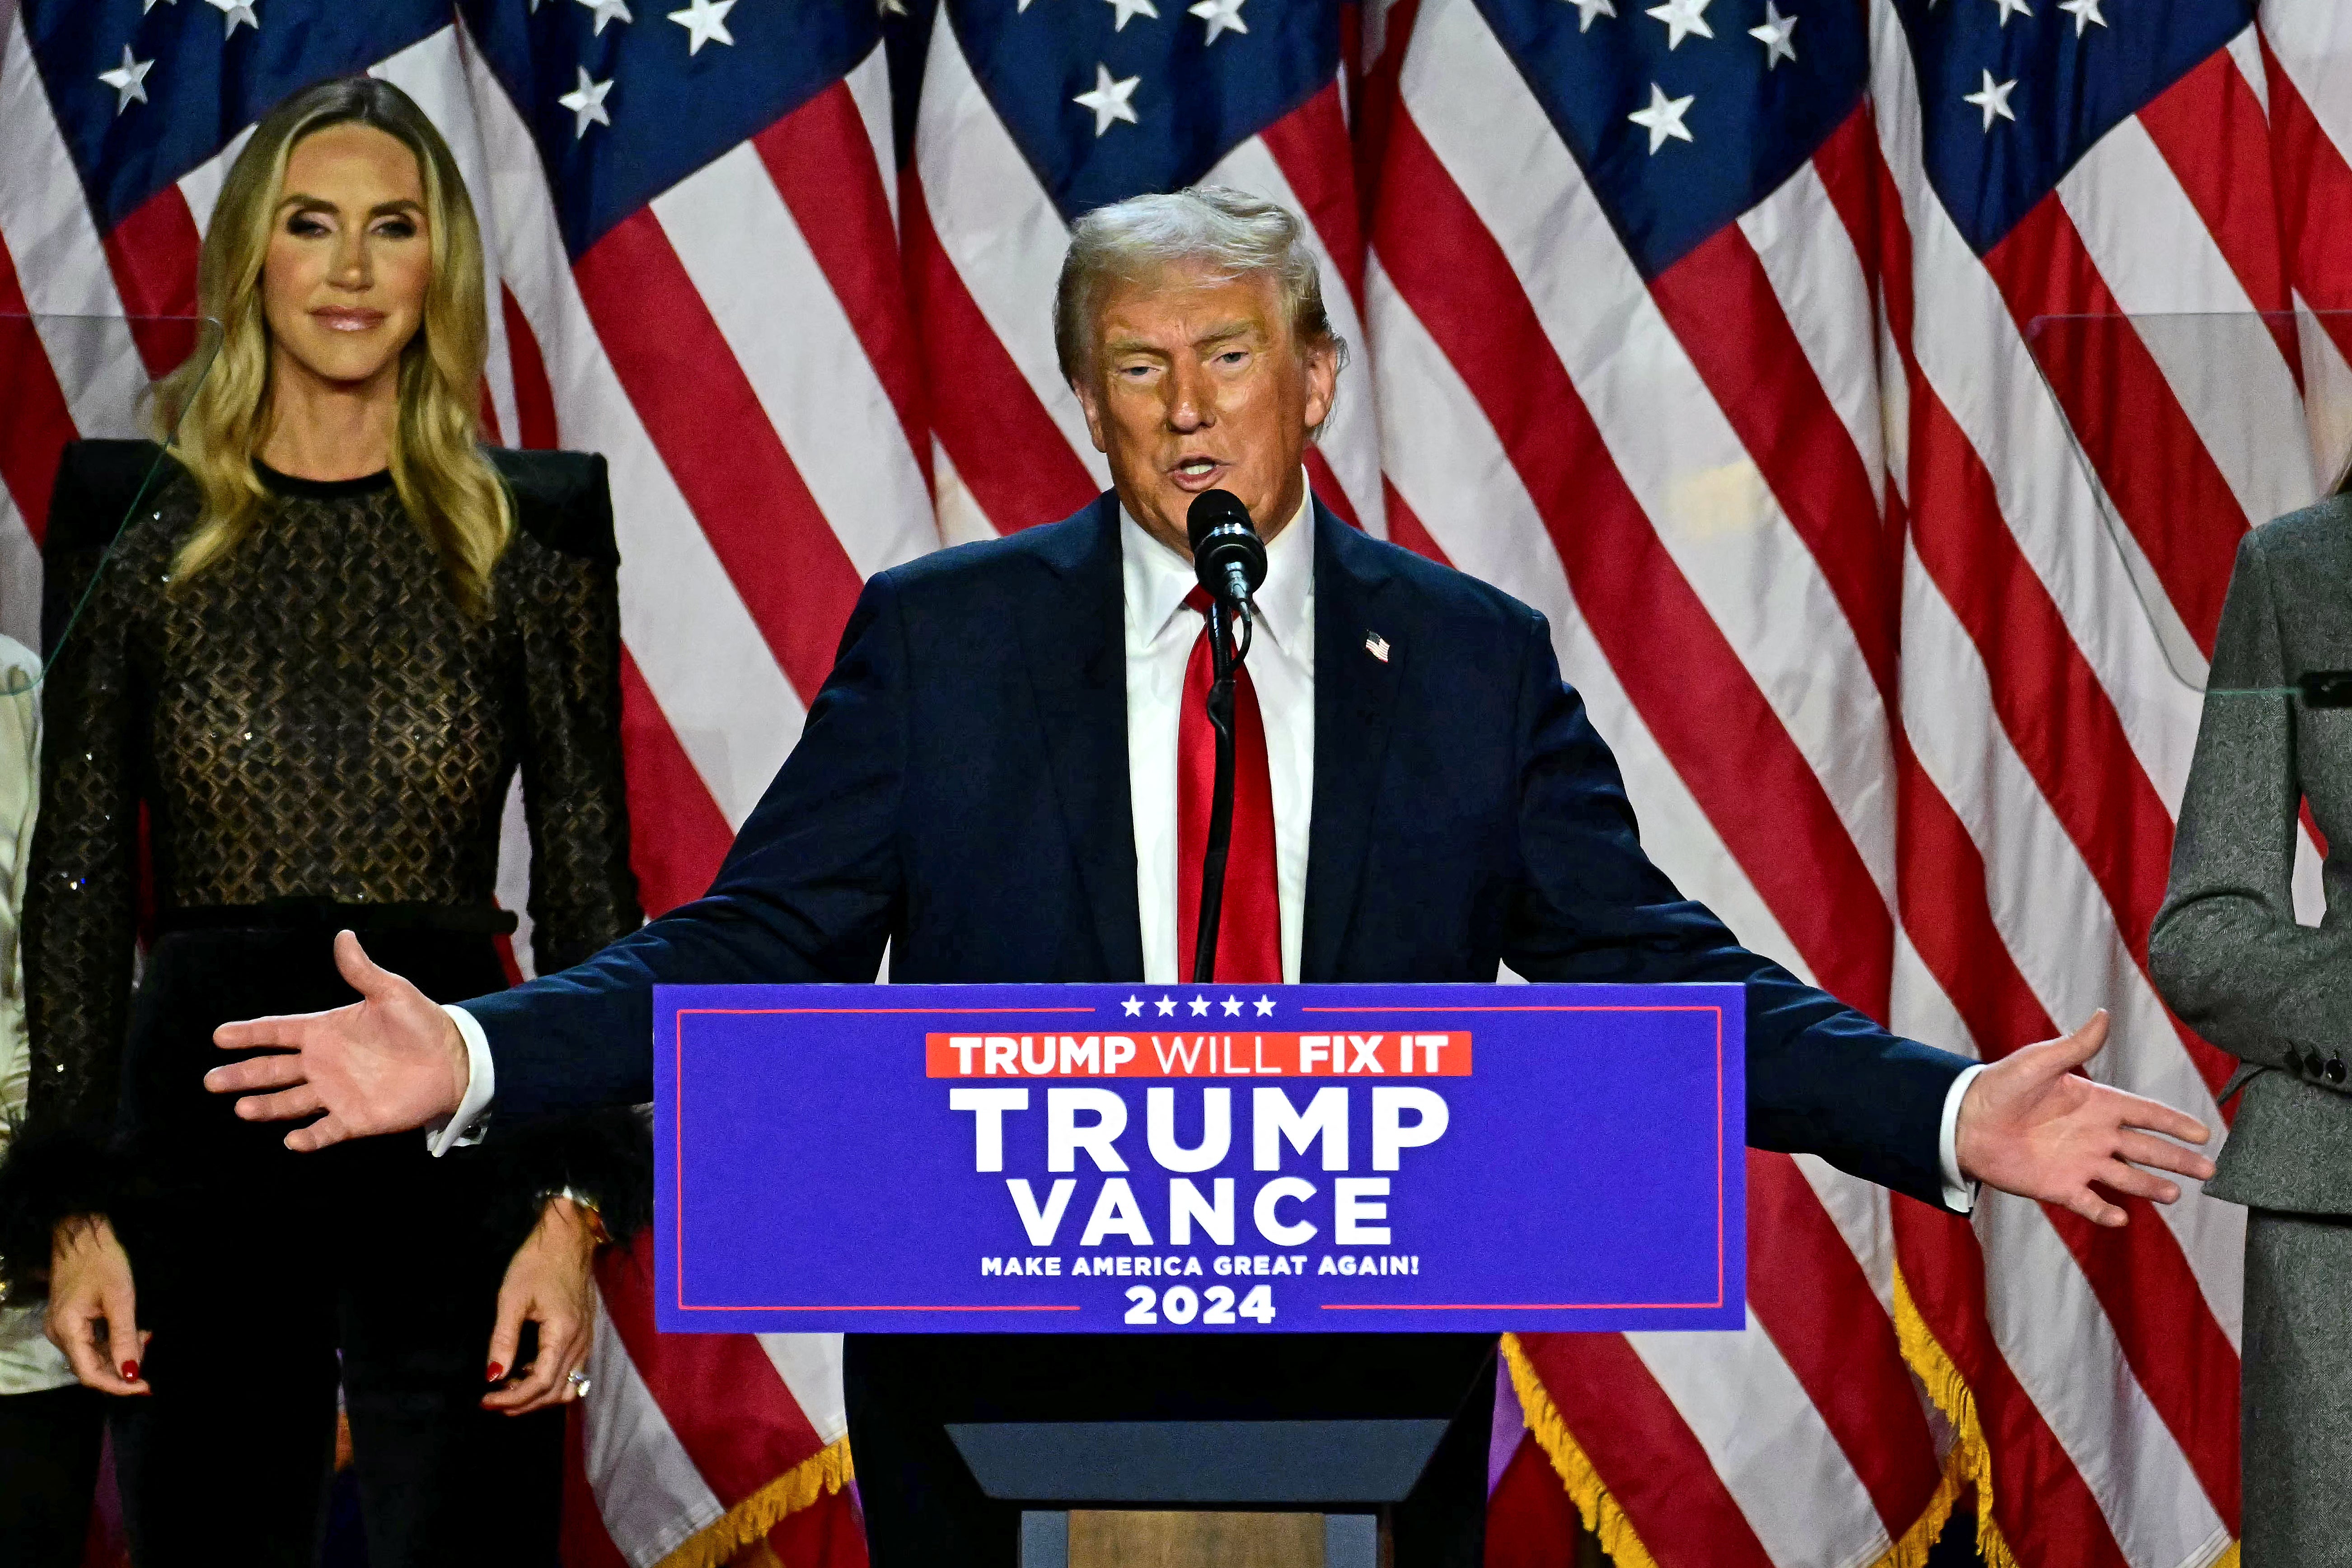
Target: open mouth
{"points": [[1197, 474]]}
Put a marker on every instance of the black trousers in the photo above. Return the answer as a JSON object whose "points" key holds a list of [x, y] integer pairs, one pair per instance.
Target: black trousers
{"points": [[268, 1278], [923, 1508], [49, 1475]]}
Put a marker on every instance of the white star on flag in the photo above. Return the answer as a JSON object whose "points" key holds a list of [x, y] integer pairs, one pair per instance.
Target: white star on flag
{"points": [[606, 11], [233, 12], [1199, 1006], [2013, 8], [1167, 1006], [1776, 35], [2086, 14], [1222, 16], [1266, 1006], [1682, 18], [147, 6], [704, 20], [1109, 98], [1663, 118], [1993, 98], [1588, 9], [1125, 10], [586, 104], [128, 80]]}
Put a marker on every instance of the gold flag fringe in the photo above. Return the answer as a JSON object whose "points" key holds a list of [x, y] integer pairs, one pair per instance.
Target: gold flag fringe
{"points": [[1605, 1518], [1971, 1461], [749, 1522], [1602, 1516]]}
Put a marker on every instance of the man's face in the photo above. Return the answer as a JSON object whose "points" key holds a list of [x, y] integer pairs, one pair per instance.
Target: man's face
{"points": [[1198, 385]]}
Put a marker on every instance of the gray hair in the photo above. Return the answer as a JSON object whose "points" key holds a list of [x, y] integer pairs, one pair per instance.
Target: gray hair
{"points": [[1237, 235]]}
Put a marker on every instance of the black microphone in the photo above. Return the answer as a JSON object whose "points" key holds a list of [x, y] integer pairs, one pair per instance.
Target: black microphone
{"points": [[1228, 556]]}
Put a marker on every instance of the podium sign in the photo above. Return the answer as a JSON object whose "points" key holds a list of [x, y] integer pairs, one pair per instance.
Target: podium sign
{"points": [[1152, 1159]]}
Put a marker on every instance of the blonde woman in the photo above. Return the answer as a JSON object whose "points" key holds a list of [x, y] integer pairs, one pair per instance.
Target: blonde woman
{"points": [[314, 660]]}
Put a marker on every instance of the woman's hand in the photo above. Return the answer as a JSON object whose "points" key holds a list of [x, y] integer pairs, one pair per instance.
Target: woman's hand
{"points": [[93, 1310], [550, 1283]]}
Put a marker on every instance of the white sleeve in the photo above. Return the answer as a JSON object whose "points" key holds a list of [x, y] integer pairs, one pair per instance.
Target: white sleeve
{"points": [[1960, 1193], [471, 1119]]}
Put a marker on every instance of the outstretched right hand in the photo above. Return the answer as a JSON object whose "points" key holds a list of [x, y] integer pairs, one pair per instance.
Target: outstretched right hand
{"points": [[93, 1310], [389, 1062]]}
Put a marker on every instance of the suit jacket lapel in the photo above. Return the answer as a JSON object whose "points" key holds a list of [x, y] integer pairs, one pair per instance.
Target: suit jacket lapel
{"points": [[1075, 647], [1358, 667]]}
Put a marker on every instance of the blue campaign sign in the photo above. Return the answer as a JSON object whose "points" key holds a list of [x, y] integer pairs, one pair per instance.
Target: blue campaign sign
{"points": [[1222, 1159]]}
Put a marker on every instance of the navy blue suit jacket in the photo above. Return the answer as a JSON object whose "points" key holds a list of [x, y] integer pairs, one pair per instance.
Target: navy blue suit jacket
{"points": [[961, 794]]}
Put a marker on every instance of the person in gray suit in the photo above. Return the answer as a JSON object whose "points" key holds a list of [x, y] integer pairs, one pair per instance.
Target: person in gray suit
{"points": [[2227, 953]]}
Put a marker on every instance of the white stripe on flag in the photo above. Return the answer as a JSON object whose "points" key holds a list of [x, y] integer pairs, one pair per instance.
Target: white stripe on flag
{"points": [[651, 1496], [810, 1365]]}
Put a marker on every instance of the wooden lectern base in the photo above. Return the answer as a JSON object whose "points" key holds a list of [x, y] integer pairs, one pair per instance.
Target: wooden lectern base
{"points": [[1166, 1539]]}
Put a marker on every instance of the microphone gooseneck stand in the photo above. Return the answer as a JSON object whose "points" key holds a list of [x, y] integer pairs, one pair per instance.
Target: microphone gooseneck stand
{"points": [[1224, 661]]}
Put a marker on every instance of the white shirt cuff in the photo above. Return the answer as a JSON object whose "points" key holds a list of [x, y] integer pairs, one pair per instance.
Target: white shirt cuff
{"points": [[1960, 1193], [471, 1119]]}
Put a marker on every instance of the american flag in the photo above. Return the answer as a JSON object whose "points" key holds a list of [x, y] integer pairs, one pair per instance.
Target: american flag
{"points": [[1718, 330]]}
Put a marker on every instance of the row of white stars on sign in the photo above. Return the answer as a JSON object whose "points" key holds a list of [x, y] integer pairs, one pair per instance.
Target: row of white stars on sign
{"points": [[1167, 1006]]}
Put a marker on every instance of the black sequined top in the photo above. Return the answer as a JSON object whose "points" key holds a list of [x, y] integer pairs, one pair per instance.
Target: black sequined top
{"points": [[312, 717]]}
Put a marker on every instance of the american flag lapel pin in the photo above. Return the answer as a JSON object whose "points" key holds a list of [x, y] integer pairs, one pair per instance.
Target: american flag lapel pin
{"points": [[1377, 646]]}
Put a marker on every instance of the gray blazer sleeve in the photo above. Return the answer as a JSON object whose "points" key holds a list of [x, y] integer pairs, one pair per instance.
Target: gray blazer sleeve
{"points": [[2226, 951]]}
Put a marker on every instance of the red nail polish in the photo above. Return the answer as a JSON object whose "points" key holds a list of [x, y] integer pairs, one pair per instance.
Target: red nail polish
{"points": [[498, 1371], [130, 1372]]}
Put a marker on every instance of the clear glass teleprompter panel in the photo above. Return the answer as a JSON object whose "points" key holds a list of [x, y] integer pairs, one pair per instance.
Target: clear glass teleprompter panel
{"points": [[62, 379], [2183, 428]]}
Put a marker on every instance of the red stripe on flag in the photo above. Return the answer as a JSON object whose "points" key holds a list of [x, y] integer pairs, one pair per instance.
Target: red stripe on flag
{"points": [[1723, 308], [1809, 1292], [677, 835], [34, 421], [2211, 131], [1005, 448], [2049, 700], [1378, 105], [2147, 455], [1531, 1521], [585, 1542], [1652, 1465], [823, 166], [153, 254], [720, 447], [2315, 198], [1309, 144], [1326, 486], [2058, 716], [1406, 526], [729, 1407], [1688, 682], [535, 420]]}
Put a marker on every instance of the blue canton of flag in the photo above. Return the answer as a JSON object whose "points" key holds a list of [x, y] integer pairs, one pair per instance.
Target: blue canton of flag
{"points": [[145, 91], [625, 102], [2016, 91], [1108, 99], [1685, 113]]}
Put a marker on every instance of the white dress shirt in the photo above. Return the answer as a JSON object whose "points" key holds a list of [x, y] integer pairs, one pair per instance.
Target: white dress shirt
{"points": [[1159, 634]]}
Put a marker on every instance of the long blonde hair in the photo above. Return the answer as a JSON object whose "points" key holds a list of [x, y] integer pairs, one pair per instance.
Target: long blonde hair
{"points": [[437, 467]]}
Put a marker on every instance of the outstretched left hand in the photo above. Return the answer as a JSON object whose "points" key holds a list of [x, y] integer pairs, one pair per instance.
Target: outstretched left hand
{"points": [[2029, 1124], [549, 1282]]}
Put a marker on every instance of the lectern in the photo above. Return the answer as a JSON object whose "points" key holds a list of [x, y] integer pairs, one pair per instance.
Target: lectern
{"points": [[1243, 1161]]}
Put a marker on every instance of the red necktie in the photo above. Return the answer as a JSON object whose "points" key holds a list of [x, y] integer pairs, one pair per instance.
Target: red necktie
{"points": [[1249, 926]]}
